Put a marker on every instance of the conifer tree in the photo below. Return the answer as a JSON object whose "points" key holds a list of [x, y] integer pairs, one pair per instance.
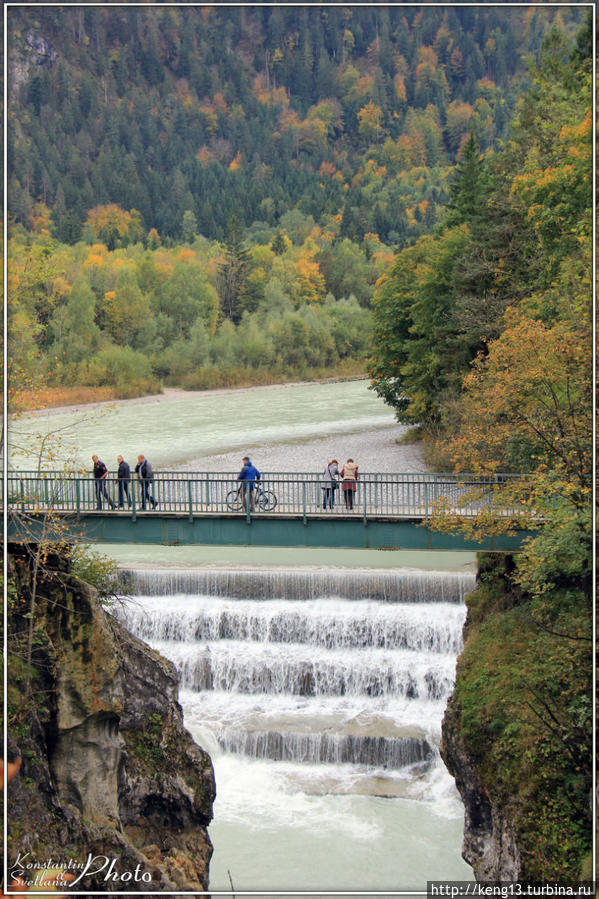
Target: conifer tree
{"points": [[468, 190], [233, 287], [189, 227], [277, 244]]}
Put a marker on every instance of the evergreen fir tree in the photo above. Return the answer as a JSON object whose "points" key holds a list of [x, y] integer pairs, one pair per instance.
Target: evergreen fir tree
{"points": [[189, 227], [232, 281], [277, 244], [468, 190]]}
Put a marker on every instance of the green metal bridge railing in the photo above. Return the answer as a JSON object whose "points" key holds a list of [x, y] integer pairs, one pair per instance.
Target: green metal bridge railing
{"points": [[401, 495]]}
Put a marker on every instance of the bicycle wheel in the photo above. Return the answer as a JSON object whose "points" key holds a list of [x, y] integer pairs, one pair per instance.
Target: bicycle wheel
{"points": [[266, 500], [233, 500]]}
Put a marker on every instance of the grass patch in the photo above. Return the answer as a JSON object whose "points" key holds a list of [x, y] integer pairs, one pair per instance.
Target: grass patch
{"points": [[52, 397], [208, 377], [213, 377], [145, 744]]}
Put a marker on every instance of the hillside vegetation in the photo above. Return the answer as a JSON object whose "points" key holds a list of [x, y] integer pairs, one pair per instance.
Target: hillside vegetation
{"points": [[207, 197], [483, 337], [252, 112]]}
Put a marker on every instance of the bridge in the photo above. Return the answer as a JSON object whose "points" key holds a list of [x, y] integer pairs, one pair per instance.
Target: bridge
{"points": [[387, 511]]}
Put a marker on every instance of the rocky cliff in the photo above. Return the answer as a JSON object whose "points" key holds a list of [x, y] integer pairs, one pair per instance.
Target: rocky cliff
{"points": [[112, 787], [489, 844], [517, 730]]}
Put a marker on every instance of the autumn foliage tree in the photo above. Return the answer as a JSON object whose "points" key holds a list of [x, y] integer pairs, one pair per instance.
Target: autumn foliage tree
{"points": [[486, 341], [523, 219], [526, 408], [115, 226]]}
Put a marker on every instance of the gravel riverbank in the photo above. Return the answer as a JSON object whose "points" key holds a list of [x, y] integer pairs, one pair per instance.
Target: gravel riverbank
{"points": [[374, 451]]}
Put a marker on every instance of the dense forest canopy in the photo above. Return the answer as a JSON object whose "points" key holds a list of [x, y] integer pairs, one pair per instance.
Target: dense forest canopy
{"points": [[514, 242], [255, 111]]}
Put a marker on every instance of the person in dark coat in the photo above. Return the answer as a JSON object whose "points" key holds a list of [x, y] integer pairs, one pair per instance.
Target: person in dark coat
{"points": [[329, 483], [124, 476], [144, 470], [100, 475], [248, 476]]}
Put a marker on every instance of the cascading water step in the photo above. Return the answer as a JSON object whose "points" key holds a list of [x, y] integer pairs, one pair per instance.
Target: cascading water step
{"points": [[376, 752], [391, 717], [330, 623], [404, 585], [329, 671], [309, 671], [307, 732]]}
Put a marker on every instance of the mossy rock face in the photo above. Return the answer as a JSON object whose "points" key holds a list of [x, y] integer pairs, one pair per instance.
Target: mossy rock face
{"points": [[108, 767], [152, 725], [516, 733]]}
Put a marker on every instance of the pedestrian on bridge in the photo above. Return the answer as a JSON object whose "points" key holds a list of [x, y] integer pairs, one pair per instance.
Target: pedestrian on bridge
{"points": [[143, 469], [100, 475], [349, 476], [248, 476], [329, 483], [124, 476]]}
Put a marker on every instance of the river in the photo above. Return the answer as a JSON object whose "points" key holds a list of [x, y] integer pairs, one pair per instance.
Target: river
{"points": [[316, 679], [284, 428]]}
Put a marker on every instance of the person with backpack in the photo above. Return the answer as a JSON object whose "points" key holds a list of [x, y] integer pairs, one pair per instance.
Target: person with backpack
{"points": [[144, 471], [329, 484]]}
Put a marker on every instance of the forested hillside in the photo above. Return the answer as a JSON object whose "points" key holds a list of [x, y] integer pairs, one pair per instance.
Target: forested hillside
{"points": [[512, 255], [255, 111], [207, 197]]}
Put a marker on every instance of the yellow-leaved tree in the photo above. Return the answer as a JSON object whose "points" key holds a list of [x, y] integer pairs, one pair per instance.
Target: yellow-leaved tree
{"points": [[526, 408]]}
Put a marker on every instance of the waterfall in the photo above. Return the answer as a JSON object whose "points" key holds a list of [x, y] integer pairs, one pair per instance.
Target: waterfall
{"points": [[311, 667], [329, 623], [405, 585], [327, 748], [305, 671]]}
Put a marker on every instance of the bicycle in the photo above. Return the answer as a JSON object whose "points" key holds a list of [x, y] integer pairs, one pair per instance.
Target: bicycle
{"points": [[264, 500]]}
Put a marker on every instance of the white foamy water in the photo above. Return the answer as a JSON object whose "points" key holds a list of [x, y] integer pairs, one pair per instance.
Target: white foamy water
{"points": [[319, 695], [243, 667], [329, 622], [403, 585]]}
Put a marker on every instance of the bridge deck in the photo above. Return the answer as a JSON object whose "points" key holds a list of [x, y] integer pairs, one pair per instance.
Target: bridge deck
{"points": [[388, 511], [198, 492]]}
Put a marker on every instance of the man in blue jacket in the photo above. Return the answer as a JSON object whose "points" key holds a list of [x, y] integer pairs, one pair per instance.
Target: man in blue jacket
{"points": [[248, 476]]}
